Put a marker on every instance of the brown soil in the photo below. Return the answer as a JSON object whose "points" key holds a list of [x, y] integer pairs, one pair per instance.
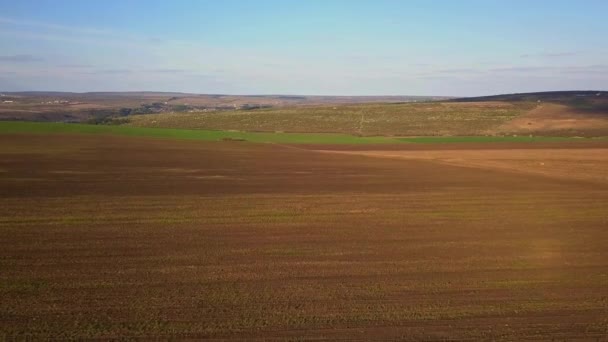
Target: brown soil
{"points": [[563, 163], [548, 118], [132, 238]]}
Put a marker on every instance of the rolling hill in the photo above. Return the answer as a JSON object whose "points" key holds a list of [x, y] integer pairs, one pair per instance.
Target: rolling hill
{"points": [[562, 113]]}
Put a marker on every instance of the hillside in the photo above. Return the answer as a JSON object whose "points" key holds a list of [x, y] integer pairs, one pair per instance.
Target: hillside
{"points": [[590, 100], [569, 113], [565, 113], [96, 106], [403, 119], [558, 119]]}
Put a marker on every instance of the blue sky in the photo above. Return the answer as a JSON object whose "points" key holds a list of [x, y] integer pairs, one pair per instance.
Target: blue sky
{"points": [[431, 47]]}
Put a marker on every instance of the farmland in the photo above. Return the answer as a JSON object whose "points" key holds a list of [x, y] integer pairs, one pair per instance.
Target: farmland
{"points": [[404, 119], [547, 114], [303, 170], [10, 127], [110, 235], [205, 135]]}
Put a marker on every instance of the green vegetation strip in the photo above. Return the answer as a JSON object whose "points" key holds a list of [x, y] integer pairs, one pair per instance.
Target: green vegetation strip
{"points": [[8, 127], [259, 137], [489, 139]]}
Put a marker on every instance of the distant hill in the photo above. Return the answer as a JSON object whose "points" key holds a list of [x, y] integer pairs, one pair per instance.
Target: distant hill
{"points": [[370, 119], [563, 113], [287, 99], [545, 95], [588, 100], [97, 106], [558, 113]]}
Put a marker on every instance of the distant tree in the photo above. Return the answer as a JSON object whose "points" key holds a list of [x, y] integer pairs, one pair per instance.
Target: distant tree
{"points": [[180, 108], [125, 111]]}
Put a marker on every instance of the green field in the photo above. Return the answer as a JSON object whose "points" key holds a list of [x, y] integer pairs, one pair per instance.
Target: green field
{"points": [[488, 139], [403, 119], [15, 127], [207, 135]]}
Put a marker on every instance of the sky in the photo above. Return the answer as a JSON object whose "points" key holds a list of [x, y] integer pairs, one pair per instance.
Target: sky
{"points": [[307, 47]]}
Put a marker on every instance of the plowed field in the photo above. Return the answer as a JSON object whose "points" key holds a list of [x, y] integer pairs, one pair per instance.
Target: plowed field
{"points": [[129, 237]]}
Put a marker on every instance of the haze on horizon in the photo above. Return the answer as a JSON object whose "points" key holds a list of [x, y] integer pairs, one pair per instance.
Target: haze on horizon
{"points": [[460, 48]]}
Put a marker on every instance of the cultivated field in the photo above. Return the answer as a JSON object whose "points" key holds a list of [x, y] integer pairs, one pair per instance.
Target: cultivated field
{"points": [[403, 119], [589, 164], [11, 127], [107, 236]]}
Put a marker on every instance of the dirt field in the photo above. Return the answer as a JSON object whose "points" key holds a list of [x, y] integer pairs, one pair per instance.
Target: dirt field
{"points": [[108, 237], [589, 164], [557, 119]]}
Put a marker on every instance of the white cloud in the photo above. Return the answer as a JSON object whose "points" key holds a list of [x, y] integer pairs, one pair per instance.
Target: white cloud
{"points": [[23, 58]]}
